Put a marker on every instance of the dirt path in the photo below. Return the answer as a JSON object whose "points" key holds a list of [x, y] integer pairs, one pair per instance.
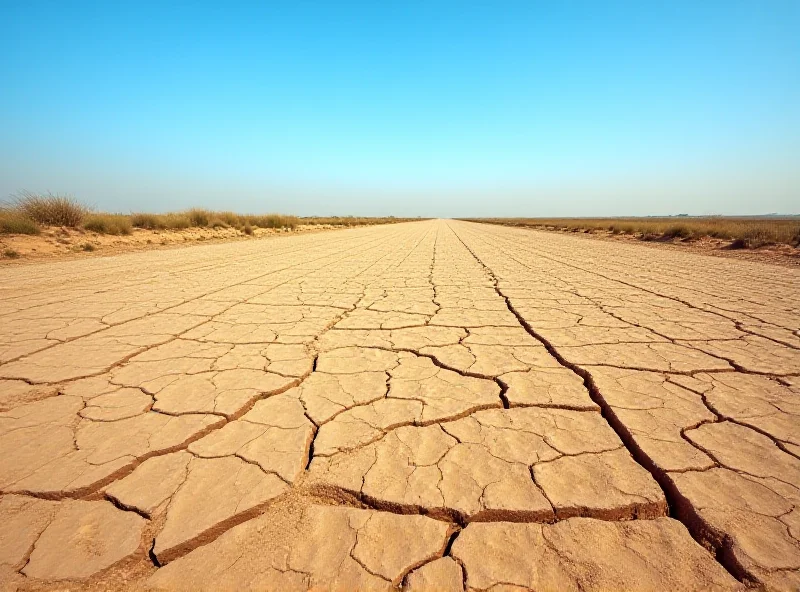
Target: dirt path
{"points": [[436, 405]]}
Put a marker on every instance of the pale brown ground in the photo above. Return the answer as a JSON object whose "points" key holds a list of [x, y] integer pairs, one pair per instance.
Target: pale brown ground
{"points": [[69, 243], [435, 405]]}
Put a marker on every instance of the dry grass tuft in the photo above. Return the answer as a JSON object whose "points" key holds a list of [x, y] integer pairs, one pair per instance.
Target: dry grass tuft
{"points": [[50, 209], [142, 220], [171, 221], [199, 218], [117, 224], [272, 221], [13, 222]]}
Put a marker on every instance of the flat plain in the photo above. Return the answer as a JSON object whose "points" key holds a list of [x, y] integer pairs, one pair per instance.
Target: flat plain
{"points": [[437, 405]]}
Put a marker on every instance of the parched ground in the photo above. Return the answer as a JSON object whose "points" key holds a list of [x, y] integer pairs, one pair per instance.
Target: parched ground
{"points": [[434, 406], [59, 243]]}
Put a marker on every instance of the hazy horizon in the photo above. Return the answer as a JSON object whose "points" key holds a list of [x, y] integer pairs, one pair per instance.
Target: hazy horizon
{"points": [[419, 109]]}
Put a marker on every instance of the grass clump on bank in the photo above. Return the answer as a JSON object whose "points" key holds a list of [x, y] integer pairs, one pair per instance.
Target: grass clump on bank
{"points": [[160, 221], [27, 212], [743, 232], [50, 209], [117, 224], [198, 218], [12, 222]]}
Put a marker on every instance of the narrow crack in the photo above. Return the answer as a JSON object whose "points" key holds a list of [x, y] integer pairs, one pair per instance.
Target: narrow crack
{"points": [[675, 501]]}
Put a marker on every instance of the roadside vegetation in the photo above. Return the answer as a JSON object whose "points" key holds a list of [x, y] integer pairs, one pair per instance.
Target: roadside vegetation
{"points": [[49, 209], [28, 213], [353, 220], [742, 232], [13, 222]]}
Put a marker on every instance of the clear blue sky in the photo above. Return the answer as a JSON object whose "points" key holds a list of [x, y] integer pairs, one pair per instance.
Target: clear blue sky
{"points": [[405, 108]]}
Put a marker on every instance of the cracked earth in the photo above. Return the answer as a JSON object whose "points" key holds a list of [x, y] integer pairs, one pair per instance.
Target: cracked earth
{"points": [[436, 405]]}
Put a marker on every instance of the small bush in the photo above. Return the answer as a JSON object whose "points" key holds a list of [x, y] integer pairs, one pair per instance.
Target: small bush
{"points": [[757, 237], [198, 217], [96, 224], [51, 210], [11, 254], [247, 229], [12, 222], [147, 221], [739, 243], [115, 224], [627, 229], [678, 231], [172, 222], [230, 218], [273, 221], [161, 221], [176, 221]]}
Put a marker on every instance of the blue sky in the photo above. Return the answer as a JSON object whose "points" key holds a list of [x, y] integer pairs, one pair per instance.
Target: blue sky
{"points": [[406, 108]]}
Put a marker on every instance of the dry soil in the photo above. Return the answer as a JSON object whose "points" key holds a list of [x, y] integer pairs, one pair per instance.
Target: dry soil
{"points": [[434, 406]]}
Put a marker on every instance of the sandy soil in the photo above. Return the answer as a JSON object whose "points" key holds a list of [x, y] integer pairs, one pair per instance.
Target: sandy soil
{"points": [[435, 405], [69, 243]]}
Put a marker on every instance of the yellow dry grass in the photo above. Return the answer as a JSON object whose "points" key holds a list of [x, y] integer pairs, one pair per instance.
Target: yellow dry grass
{"points": [[26, 212], [743, 232]]}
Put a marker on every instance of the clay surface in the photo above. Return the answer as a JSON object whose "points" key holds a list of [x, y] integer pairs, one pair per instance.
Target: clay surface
{"points": [[435, 405]]}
